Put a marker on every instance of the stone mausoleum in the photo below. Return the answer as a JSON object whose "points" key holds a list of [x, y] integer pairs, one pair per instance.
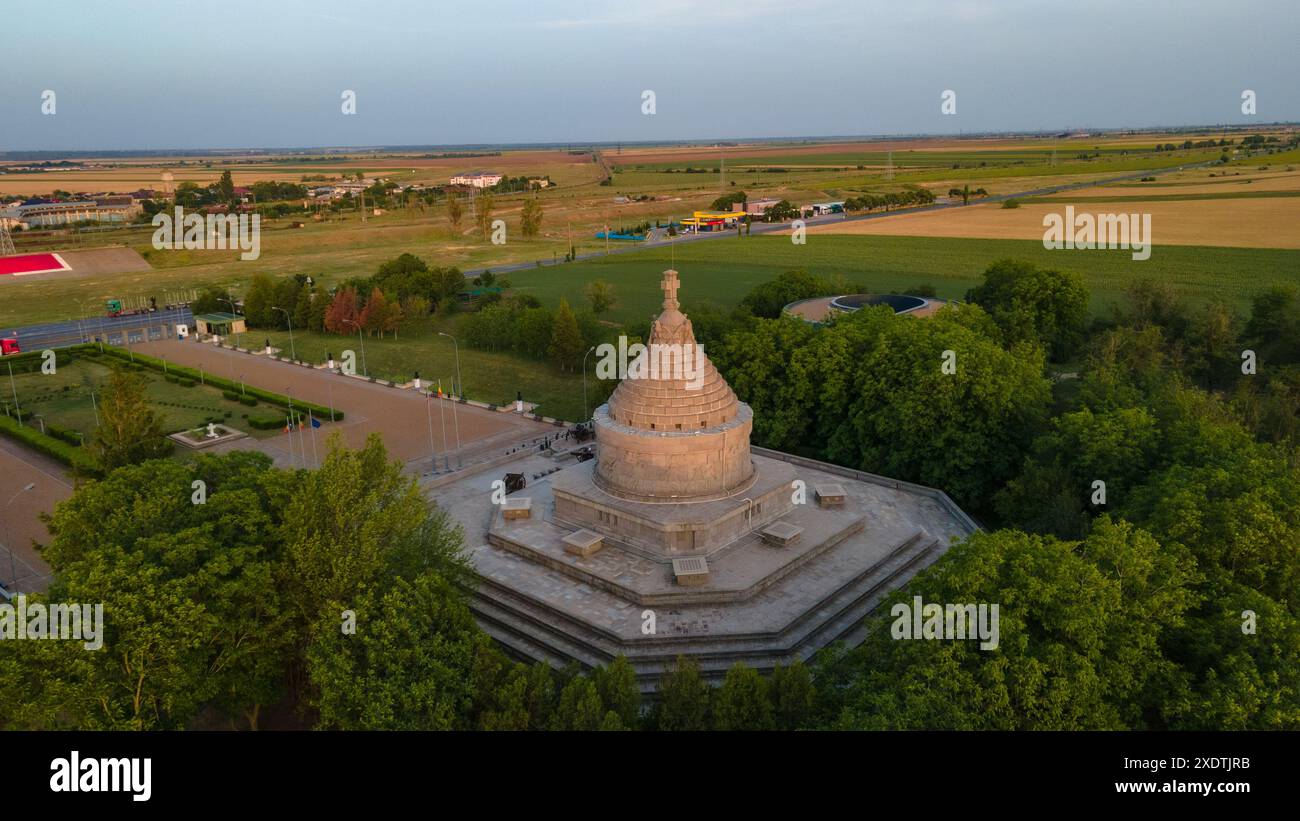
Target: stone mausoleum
{"points": [[679, 538]]}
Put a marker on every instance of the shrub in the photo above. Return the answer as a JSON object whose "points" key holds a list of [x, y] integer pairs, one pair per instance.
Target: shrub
{"points": [[1011, 203], [75, 457], [266, 422], [190, 375]]}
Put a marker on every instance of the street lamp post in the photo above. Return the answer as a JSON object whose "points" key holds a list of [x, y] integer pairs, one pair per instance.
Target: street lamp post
{"points": [[460, 386], [455, 421], [17, 408], [364, 370], [231, 303], [293, 352], [585, 414], [13, 565]]}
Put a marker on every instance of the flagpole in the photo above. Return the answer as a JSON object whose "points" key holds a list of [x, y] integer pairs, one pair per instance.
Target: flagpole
{"points": [[428, 415], [288, 428], [302, 444], [312, 424], [442, 415], [455, 421]]}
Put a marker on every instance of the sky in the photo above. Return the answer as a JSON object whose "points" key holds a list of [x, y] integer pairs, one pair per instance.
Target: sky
{"points": [[149, 74]]}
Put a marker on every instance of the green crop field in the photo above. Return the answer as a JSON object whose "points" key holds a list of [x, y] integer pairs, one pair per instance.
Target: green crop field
{"points": [[722, 271]]}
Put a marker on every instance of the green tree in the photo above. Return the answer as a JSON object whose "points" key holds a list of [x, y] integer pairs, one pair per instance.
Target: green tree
{"points": [[484, 204], [793, 696], [566, 339], [531, 218], [770, 298], [601, 296], [1030, 304], [129, 431], [455, 211], [683, 698], [619, 692], [192, 615], [406, 668], [257, 304], [743, 702], [356, 522], [1080, 630], [226, 187], [579, 707]]}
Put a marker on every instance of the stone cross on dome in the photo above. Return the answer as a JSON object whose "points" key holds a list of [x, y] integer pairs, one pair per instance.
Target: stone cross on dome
{"points": [[669, 286]]}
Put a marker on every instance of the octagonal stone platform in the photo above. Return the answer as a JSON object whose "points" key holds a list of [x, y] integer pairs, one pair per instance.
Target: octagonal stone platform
{"points": [[762, 604]]}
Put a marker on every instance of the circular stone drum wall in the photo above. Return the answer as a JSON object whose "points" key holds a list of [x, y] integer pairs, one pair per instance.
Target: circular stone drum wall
{"points": [[633, 463]]}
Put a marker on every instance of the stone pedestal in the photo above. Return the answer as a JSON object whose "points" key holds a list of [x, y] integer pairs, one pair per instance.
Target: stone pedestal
{"points": [[692, 571], [583, 543], [517, 508]]}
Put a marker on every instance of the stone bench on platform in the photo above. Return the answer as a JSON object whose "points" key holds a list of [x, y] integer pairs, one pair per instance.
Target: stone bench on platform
{"points": [[520, 508], [693, 571], [781, 534], [829, 495], [583, 543]]}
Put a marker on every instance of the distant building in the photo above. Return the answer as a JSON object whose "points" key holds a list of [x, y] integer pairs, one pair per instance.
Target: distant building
{"points": [[819, 209], [755, 208], [220, 324], [477, 179], [44, 213], [712, 220], [818, 310]]}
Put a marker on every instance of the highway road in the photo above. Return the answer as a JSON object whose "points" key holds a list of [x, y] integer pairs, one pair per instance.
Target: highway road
{"points": [[113, 330]]}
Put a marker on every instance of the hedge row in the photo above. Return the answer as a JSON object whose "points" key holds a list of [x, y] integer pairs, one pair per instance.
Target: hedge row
{"points": [[74, 457], [225, 384], [240, 398], [31, 361]]}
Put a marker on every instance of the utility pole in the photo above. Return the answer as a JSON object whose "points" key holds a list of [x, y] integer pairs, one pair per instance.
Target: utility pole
{"points": [[14, 387]]}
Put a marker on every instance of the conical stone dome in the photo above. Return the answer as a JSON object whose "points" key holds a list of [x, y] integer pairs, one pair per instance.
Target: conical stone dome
{"points": [[673, 428]]}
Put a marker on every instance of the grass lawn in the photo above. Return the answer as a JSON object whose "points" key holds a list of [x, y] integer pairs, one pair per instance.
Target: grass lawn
{"points": [[63, 399], [488, 376]]}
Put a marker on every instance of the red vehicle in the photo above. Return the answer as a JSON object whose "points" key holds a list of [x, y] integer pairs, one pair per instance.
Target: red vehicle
{"points": [[8, 346]]}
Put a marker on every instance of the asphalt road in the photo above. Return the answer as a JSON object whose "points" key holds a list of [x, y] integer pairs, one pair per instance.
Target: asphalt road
{"points": [[113, 330]]}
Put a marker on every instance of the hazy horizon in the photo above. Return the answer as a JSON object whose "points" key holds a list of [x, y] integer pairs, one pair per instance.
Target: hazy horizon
{"points": [[194, 76]]}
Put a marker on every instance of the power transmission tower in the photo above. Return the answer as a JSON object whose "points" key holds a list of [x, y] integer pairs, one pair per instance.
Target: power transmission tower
{"points": [[722, 166], [889, 166], [6, 242]]}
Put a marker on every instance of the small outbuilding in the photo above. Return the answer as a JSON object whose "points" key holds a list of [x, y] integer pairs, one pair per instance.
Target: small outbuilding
{"points": [[220, 324]]}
